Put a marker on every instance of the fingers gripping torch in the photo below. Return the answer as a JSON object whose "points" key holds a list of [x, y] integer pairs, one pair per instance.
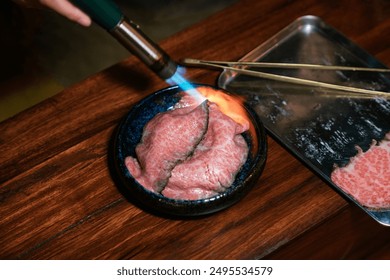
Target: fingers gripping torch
{"points": [[108, 15]]}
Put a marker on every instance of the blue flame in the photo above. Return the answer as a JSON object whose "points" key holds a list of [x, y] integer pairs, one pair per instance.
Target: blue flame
{"points": [[184, 84]]}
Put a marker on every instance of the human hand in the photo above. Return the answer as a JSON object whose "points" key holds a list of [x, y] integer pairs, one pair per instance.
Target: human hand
{"points": [[63, 7]]}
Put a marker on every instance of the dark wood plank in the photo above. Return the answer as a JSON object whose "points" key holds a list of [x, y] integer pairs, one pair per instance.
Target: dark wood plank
{"points": [[348, 235], [69, 208]]}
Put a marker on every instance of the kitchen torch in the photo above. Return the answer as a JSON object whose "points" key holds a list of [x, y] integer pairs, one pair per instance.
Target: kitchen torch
{"points": [[109, 16]]}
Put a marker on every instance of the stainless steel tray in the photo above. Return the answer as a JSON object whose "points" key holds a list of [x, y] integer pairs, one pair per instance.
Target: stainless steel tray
{"points": [[319, 126]]}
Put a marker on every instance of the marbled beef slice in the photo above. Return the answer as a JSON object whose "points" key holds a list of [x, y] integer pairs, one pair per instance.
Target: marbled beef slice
{"points": [[215, 162], [367, 176], [167, 139]]}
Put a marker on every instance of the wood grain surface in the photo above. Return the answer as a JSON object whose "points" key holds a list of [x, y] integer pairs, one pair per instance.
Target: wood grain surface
{"points": [[59, 200]]}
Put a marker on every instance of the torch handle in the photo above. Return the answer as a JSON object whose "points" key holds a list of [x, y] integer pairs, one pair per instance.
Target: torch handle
{"points": [[108, 15], [104, 12]]}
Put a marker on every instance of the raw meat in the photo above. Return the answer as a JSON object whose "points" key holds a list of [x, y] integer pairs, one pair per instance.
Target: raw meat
{"points": [[215, 161], [367, 176], [188, 153], [167, 139]]}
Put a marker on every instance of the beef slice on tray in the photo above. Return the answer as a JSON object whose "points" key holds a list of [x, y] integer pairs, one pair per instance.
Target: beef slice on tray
{"points": [[367, 176]]}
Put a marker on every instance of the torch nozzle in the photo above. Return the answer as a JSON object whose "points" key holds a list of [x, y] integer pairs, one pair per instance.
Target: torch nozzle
{"points": [[131, 37]]}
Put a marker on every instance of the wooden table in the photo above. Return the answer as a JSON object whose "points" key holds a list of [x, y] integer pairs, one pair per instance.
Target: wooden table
{"points": [[59, 201]]}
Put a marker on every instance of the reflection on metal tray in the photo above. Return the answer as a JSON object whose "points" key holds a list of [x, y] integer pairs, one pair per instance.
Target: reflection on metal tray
{"points": [[320, 127]]}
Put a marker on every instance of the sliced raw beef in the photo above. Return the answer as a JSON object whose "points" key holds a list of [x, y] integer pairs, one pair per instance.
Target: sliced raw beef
{"points": [[215, 161], [167, 139], [367, 176]]}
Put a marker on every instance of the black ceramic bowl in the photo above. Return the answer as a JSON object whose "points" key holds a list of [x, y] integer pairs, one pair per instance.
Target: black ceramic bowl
{"points": [[129, 133]]}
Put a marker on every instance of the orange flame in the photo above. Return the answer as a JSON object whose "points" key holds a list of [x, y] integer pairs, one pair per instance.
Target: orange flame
{"points": [[230, 105], [233, 107]]}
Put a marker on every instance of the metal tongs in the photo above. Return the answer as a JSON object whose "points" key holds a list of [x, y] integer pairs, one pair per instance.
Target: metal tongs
{"points": [[240, 68]]}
